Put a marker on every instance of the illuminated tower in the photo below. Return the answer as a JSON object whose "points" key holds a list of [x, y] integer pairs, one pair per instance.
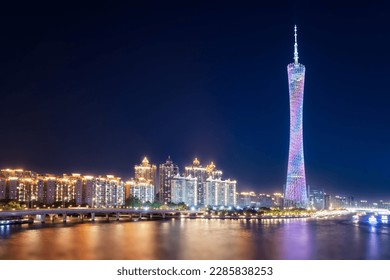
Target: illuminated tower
{"points": [[295, 192]]}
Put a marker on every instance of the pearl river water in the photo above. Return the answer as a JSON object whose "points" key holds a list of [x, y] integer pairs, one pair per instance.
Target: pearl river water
{"points": [[197, 239]]}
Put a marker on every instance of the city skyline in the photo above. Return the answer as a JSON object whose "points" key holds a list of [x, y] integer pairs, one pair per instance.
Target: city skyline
{"points": [[97, 93]]}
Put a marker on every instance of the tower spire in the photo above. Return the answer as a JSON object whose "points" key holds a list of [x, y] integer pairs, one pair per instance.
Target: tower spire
{"points": [[295, 46]]}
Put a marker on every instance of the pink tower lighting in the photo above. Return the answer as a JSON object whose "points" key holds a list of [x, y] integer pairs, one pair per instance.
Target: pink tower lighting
{"points": [[295, 191]]}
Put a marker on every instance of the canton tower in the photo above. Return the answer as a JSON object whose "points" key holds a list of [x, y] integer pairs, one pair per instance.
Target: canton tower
{"points": [[295, 191]]}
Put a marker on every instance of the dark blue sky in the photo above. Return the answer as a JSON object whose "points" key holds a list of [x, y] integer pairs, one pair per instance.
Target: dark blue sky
{"points": [[94, 88]]}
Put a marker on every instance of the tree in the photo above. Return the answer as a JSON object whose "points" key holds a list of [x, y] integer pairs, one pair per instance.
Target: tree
{"points": [[164, 207], [133, 201], [182, 206], [156, 205], [172, 205], [147, 204], [12, 205]]}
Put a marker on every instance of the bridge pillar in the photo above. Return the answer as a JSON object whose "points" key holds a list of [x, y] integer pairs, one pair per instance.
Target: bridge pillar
{"points": [[130, 216], [117, 216], [81, 216], [64, 217], [163, 215], [52, 216], [92, 217], [107, 217], [151, 216]]}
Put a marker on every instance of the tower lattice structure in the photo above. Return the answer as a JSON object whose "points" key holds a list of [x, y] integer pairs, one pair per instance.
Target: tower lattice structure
{"points": [[296, 191]]}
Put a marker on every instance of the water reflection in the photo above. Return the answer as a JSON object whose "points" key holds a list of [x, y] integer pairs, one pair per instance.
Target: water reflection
{"points": [[5, 231], [372, 243], [295, 238], [197, 239]]}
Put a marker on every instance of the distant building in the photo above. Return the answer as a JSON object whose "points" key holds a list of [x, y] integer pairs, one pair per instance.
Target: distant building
{"points": [[18, 173], [142, 189], [77, 181], [213, 172], [338, 202], [97, 192], [167, 171], [88, 190], [202, 174], [385, 204], [146, 172], [109, 192], [12, 188], [220, 192], [66, 189], [363, 204], [3, 188], [184, 189], [316, 198], [199, 172], [46, 190], [200, 186], [27, 190], [17, 184], [251, 199], [326, 201], [278, 200], [265, 200], [247, 199]]}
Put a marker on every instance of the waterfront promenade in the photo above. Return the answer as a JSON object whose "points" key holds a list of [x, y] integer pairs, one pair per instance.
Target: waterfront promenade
{"points": [[90, 214]]}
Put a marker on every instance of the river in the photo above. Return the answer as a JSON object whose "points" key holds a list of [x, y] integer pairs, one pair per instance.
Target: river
{"points": [[194, 239]]}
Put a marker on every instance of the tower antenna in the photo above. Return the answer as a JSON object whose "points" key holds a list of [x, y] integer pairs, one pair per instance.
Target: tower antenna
{"points": [[295, 46]]}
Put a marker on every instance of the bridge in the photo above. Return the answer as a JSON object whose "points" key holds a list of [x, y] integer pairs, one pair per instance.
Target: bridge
{"points": [[92, 213], [136, 214], [350, 211], [383, 211]]}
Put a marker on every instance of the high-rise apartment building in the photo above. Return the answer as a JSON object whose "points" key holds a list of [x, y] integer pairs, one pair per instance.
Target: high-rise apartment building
{"points": [[278, 200], [142, 189], [17, 184], [47, 189], [28, 190], [146, 171], [184, 189], [212, 172], [265, 200], [167, 171], [247, 199], [220, 192], [211, 189], [316, 198], [202, 174], [196, 170], [109, 192]]}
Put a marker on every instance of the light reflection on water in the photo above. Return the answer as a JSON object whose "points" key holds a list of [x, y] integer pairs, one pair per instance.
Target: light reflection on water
{"points": [[197, 239]]}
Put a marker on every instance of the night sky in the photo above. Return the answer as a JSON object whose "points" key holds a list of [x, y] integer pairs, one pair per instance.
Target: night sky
{"points": [[95, 88]]}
